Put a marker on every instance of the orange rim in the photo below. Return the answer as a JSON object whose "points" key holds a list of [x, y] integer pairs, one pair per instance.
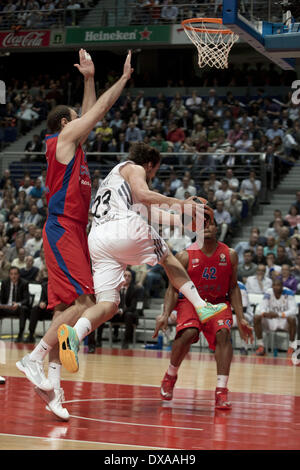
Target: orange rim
{"points": [[185, 24]]}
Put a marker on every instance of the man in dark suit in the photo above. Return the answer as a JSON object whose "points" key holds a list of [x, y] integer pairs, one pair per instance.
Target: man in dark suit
{"points": [[14, 299], [131, 304], [39, 312], [130, 308]]}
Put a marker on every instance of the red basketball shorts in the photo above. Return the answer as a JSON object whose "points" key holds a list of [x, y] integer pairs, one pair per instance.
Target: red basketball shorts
{"points": [[67, 260], [188, 318]]}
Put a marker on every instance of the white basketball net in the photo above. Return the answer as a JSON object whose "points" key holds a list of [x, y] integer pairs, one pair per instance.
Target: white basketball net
{"points": [[213, 47]]}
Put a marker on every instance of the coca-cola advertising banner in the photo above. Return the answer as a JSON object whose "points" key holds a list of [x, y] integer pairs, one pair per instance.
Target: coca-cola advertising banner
{"points": [[24, 39]]}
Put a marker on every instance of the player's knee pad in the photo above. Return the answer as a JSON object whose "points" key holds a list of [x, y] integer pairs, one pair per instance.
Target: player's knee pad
{"points": [[112, 295]]}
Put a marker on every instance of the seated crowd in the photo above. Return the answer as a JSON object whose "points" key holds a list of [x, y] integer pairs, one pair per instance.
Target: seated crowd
{"points": [[181, 128], [41, 14]]}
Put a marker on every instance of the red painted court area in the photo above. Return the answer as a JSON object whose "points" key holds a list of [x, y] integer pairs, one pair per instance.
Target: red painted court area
{"points": [[135, 416]]}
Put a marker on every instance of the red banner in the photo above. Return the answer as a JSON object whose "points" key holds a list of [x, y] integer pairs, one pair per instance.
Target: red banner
{"points": [[24, 39]]}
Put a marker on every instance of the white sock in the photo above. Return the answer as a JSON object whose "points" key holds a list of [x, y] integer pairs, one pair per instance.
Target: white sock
{"points": [[172, 370], [260, 342], [40, 351], [222, 381], [54, 374], [83, 328], [244, 344], [189, 291], [293, 344]]}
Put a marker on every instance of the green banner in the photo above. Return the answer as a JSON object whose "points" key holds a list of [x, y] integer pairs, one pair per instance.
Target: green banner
{"points": [[129, 34]]}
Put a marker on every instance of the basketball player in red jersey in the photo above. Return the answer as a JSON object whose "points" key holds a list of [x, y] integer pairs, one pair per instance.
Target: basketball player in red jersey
{"points": [[68, 186], [213, 269]]}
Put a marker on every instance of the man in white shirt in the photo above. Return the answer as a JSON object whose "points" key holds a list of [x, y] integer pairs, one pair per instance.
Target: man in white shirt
{"points": [[193, 102], [223, 220], [250, 188], [277, 311], [185, 187], [233, 182], [259, 283], [169, 12], [275, 131], [224, 193], [35, 243], [244, 143]]}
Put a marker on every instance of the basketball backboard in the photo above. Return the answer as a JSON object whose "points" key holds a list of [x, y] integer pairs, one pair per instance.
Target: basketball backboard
{"points": [[261, 24]]}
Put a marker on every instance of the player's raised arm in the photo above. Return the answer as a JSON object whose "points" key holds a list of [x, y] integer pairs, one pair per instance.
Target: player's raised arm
{"points": [[76, 129], [87, 69]]}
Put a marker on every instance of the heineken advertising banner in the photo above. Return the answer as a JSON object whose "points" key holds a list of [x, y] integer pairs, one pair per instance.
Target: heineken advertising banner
{"points": [[137, 34]]}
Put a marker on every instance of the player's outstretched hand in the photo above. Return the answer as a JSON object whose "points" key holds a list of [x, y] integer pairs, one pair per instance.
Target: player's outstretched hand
{"points": [[86, 65], [127, 70], [246, 331], [161, 324]]}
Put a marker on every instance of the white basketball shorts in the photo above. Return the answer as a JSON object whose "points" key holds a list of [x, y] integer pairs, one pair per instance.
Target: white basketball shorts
{"points": [[116, 244]]}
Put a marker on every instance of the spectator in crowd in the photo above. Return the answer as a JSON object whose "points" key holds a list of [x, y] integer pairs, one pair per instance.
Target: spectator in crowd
{"points": [[248, 315], [282, 257], [297, 202], [106, 133], [175, 135], [185, 187], [295, 270], [287, 278], [233, 182], [155, 281], [275, 131], [12, 231], [27, 186], [37, 191], [249, 245], [19, 262], [294, 247], [193, 102], [223, 220], [133, 134], [293, 217], [271, 246], [247, 268], [39, 312], [29, 273], [32, 146], [277, 311], [224, 193], [250, 188], [169, 12], [273, 270], [213, 183], [259, 283], [14, 299], [4, 267], [130, 307], [259, 257], [278, 216], [33, 217]]}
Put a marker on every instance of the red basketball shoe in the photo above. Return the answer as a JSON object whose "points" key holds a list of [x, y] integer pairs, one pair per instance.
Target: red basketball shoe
{"points": [[222, 402], [167, 386]]}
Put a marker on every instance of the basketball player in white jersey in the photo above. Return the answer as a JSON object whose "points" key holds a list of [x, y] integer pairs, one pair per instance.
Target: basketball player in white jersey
{"points": [[119, 237]]}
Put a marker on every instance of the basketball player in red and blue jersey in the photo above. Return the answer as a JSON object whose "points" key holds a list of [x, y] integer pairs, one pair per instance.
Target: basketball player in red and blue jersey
{"points": [[213, 269], [68, 189]]}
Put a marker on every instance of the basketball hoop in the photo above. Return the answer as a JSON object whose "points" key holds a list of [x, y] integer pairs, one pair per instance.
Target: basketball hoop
{"points": [[212, 39]]}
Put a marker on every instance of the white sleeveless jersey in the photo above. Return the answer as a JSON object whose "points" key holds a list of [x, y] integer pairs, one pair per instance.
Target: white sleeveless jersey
{"points": [[114, 199]]}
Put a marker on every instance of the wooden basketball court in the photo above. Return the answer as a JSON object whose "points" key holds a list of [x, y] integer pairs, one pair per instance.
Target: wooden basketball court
{"points": [[114, 403]]}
